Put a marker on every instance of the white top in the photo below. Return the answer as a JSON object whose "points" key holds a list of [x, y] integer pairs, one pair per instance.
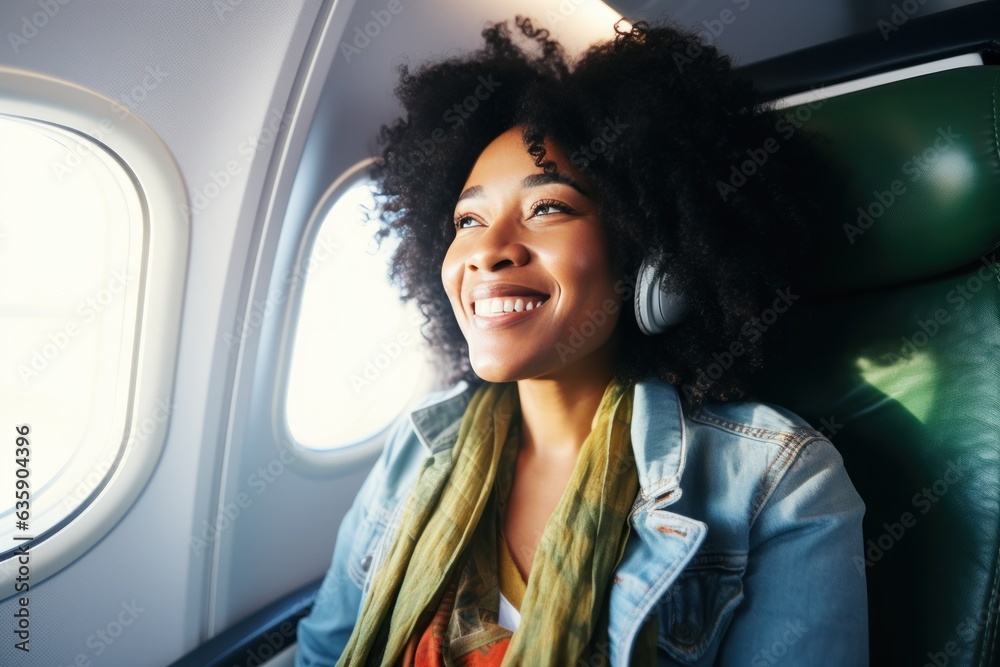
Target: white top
{"points": [[508, 617]]}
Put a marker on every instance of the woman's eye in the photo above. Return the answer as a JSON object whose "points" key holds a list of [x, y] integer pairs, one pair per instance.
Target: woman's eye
{"points": [[552, 206], [460, 222], [544, 207]]}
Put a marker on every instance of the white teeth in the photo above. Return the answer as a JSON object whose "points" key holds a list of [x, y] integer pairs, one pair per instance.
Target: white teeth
{"points": [[502, 305]]}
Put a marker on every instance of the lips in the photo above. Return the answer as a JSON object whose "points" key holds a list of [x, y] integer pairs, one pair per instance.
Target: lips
{"points": [[492, 297], [501, 300], [489, 290]]}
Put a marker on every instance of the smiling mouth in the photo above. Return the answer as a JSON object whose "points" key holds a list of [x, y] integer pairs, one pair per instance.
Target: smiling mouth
{"points": [[499, 306]]}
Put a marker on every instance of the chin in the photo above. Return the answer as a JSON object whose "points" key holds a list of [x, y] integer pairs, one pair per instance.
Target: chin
{"points": [[498, 368], [507, 370], [494, 373]]}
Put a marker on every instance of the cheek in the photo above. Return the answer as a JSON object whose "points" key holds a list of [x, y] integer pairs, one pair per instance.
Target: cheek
{"points": [[451, 277], [587, 267]]}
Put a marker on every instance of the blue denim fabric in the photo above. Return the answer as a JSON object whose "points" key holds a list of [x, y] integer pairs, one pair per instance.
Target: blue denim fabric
{"points": [[746, 536]]}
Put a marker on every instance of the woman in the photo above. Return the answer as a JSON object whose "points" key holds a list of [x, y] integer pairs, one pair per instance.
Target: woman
{"points": [[595, 489]]}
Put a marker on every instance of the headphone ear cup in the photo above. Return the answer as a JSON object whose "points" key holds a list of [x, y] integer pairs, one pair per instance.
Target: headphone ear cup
{"points": [[657, 307]]}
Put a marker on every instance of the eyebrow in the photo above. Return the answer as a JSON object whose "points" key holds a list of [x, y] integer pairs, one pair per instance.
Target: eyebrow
{"points": [[531, 181]]}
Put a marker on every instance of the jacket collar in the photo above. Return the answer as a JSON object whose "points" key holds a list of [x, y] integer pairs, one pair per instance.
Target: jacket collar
{"points": [[665, 542], [657, 432]]}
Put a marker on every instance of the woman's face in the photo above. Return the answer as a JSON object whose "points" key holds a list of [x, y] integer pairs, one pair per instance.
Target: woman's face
{"points": [[529, 272]]}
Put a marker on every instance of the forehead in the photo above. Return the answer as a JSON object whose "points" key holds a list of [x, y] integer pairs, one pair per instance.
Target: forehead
{"points": [[506, 157]]}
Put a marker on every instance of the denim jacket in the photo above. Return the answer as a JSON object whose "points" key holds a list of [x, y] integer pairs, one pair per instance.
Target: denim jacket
{"points": [[745, 536]]}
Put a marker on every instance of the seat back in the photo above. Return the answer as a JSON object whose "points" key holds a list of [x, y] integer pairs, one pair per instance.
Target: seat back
{"points": [[898, 360]]}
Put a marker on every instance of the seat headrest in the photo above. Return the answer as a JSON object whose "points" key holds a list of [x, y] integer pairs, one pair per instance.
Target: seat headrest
{"points": [[920, 165]]}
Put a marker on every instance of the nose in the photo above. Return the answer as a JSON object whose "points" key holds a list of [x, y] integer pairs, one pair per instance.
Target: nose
{"points": [[499, 246]]}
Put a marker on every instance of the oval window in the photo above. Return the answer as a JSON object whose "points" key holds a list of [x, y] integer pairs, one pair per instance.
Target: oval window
{"points": [[358, 358], [71, 264], [93, 250]]}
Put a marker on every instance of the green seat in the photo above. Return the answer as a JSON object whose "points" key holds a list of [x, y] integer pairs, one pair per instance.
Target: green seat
{"points": [[898, 359]]}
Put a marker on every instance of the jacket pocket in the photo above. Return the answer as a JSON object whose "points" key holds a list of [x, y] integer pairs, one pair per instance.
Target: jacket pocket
{"points": [[366, 540], [697, 608]]}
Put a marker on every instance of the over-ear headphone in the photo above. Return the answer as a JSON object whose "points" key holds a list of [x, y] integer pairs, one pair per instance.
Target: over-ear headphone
{"points": [[657, 304]]}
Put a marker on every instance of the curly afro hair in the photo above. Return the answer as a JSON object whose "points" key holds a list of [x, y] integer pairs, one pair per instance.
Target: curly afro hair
{"points": [[717, 188]]}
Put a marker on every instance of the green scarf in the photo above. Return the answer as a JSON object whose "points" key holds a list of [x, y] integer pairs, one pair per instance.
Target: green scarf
{"points": [[564, 613]]}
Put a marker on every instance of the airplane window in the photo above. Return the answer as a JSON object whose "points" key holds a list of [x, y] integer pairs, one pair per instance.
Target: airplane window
{"points": [[358, 358], [71, 257]]}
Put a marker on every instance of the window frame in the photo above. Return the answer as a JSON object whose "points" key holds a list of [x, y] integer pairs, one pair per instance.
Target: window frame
{"points": [[308, 460], [151, 167]]}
